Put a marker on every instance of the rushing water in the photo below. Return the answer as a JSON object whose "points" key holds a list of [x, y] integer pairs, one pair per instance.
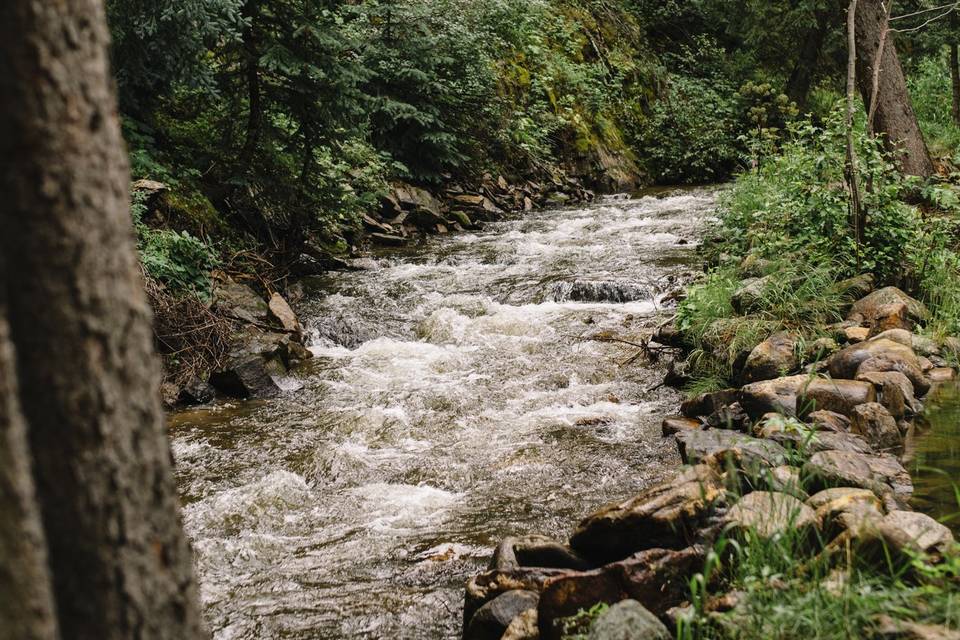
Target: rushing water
{"points": [[453, 400]]}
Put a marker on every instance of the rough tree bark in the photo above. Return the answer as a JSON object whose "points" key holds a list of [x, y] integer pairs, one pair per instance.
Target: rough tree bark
{"points": [[894, 110], [954, 61], [26, 602], [79, 320]]}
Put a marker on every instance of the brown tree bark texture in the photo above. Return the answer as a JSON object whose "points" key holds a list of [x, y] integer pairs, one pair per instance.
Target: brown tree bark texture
{"points": [[895, 117], [26, 602], [80, 324]]}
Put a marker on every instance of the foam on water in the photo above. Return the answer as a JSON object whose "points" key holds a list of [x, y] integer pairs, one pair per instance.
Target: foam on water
{"points": [[452, 401]]}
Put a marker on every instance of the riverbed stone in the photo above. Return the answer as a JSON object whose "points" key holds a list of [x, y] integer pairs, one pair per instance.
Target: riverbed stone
{"points": [[486, 586], [823, 420], [803, 394], [822, 441], [844, 363], [238, 301], [667, 516], [910, 531], [282, 313], [769, 514], [523, 627], [894, 315], [867, 308], [856, 335], [748, 294], [492, 619], [785, 479], [772, 358], [246, 377], [535, 551], [845, 509], [820, 349], [894, 391], [656, 578], [876, 424], [731, 417], [706, 403], [942, 374], [628, 620], [881, 474], [839, 396], [196, 391], [718, 446], [675, 424]]}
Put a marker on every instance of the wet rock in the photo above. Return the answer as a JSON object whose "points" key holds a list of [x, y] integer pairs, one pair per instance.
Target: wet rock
{"points": [[706, 403], [535, 551], [666, 516], [675, 424], [195, 392], [246, 378], [823, 420], [878, 473], [885, 363], [877, 426], [769, 514], [603, 291], [523, 627], [462, 218], [669, 335], [628, 620], [722, 447], [492, 619], [387, 239], [890, 316], [731, 417], [282, 313], [486, 586], [867, 309], [774, 357], [846, 362], [803, 394], [656, 578]]}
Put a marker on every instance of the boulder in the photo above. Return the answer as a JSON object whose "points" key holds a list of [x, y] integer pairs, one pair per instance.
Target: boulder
{"points": [[890, 316], [878, 473], [855, 335], [877, 426], [886, 363], [628, 620], [823, 420], [845, 509], [911, 532], [769, 514], [800, 395], [486, 586], [786, 479], [894, 391], [867, 308], [282, 313], [675, 424], [731, 417], [903, 336], [240, 302], [813, 442], [856, 287], [491, 620], [772, 358], [387, 239], [246, 377], [722, 447], [706, 403], [748, 295], [656, 578], [820, 349], [667, 516], [195, 392], [844, 363], [535, 551], [462, 218], [942, 374]]}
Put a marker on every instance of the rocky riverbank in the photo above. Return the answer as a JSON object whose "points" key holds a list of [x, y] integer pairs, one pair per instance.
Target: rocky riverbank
{"points": [[810, 449]]}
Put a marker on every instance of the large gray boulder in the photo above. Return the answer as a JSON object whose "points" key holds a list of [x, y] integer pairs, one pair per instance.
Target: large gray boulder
{"points": [[879, 355], [666, 516], [628, 620], [867, 308], [802, 394], [718, 446], [879, 473], [768, 514]]}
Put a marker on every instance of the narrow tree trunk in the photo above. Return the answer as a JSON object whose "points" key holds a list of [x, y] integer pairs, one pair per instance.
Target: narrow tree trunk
{"points": [[81, 327], [954, 67], [251, 56], [853, 177], [801, 79], [26, 601], [895, 117]]}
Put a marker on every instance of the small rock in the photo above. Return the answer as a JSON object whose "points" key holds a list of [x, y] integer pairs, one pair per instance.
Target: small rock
{"points": [[721, 447], [769, 514], [492, 619], [628, 620], [196, 392], [872, 421], [829, 421], [894, 391], [523, 627], [486, 586], [706, 403], [888, 628], [245, 378], [909, 531], [388, 240], [846, 509], [731, 417], [745, 299], [856, 335], [786, 479], [821, 349], [942, 374]]}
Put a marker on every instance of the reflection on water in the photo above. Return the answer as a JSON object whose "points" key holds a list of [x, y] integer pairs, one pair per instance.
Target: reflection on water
{"points": [[452, 401], [936, 467]]}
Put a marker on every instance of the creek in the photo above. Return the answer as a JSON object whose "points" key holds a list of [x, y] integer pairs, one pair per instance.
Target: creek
{"points": [[455, 398]]}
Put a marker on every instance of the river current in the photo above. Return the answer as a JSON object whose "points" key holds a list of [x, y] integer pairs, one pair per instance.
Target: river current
{"points": [[458, 395]]}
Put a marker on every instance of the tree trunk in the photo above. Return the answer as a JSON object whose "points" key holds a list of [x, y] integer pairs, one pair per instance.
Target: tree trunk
{"points": [[894, 110], [801, 79], [79, 320], [26, 602], [251, 56], [955, 82]]}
